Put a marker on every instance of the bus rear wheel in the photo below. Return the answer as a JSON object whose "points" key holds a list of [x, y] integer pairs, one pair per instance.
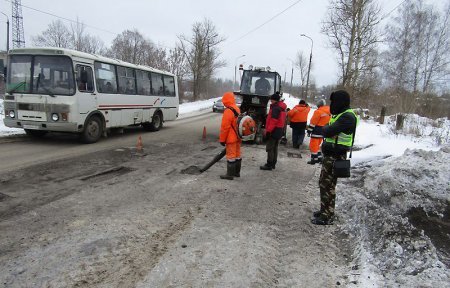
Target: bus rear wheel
{"points": [[156, 124], [92, 130], [35, 133]]}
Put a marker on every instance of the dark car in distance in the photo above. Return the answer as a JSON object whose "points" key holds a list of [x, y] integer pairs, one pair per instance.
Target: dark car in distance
{"points": [[219, 107]]}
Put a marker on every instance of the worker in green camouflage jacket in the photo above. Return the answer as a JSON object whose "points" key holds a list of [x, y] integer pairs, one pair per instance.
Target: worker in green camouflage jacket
{"points": [[338, 136]]}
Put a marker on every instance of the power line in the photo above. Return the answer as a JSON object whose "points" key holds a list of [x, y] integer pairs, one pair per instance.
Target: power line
{"points": [[64, 18], [77, 22], [395, 8], [269, 20]]}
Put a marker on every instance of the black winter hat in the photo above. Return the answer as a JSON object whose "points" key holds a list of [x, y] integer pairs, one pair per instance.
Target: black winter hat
{"points": [[302, 102], [340, 101], [276, 96]]}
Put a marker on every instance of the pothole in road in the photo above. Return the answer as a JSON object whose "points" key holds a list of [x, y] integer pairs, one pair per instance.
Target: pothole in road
{"points": [[294, 155], [3, 197], [191, 170], [107, 174]]}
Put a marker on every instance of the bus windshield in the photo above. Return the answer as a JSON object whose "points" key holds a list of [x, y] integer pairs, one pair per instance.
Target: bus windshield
{"points": [[51, 75], [258, 82]]}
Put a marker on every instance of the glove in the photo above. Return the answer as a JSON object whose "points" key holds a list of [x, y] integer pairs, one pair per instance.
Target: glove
{"points": [[222, 143], [309, 133]]}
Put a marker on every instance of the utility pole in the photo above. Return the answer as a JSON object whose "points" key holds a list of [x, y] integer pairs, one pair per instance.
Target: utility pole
{"points": [[7, 31], [235, 71], [17, 25], [292, 77], [292, 73], [309, 66]]}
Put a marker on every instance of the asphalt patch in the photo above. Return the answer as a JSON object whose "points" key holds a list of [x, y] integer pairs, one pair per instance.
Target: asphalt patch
{"points": [[294, 155], [192, 170], [3, 197]]}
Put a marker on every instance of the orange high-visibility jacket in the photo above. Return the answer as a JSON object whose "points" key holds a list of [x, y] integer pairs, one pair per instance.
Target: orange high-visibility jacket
{"points": [[320, 118], [299, 113], [228, 128]]}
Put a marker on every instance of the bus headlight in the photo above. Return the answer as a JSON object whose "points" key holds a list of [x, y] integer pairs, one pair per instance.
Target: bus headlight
{"points": [[55, 117], [12, 114]]}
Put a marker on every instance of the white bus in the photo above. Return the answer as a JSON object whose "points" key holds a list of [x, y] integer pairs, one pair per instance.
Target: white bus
{"points": [[54, 89]]}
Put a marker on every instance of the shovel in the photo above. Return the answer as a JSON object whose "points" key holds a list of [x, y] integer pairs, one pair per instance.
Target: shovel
{"points": [[195, 170]]}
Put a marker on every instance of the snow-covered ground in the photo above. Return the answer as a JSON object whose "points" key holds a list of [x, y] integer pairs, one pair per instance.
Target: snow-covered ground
{"points": [[395, 207]]}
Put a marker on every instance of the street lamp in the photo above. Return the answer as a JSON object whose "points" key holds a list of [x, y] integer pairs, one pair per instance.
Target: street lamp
{"points": [[309, 66], [235, 68], [7, 31]]}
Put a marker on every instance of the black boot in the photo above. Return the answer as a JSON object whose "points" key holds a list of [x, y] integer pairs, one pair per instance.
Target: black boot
{"points": [[237, 173], [319, 157], [266, 166], [317, 213], [322, 221], [231, 171], [313, 160]]}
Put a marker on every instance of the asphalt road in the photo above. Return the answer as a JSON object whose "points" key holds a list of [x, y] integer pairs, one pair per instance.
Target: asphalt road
{"points": [[22, 151], [105, 215]]}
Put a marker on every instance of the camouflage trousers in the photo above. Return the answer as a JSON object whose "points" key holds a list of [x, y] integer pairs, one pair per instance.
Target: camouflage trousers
{"points": [[327, 185]]}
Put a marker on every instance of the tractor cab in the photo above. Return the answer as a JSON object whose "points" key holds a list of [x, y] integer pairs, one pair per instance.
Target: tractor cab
{"points": [[257, 85]]}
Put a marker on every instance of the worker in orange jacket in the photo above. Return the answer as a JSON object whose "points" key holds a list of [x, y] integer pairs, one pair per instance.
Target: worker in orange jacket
{"points": [[320, 118], [298, 117], [229, 136]]}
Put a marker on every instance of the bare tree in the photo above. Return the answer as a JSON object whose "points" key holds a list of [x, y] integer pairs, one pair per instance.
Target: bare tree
{"points": [[177, 64], [418, 52], [77, 35], [93, 44], [130, 46], [156, 57], [56, 35], [301, 62], [202, 54], [351, 26]]}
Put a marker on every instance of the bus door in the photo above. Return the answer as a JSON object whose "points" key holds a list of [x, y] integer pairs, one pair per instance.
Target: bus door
{"points": [[87, 98]]}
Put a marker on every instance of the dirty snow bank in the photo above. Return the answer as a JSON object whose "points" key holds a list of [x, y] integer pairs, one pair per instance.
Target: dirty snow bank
{"points": [[396, 214], [418, 128]]}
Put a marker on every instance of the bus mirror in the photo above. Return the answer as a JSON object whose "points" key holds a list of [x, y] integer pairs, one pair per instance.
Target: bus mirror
{"points": [[84, 76]]}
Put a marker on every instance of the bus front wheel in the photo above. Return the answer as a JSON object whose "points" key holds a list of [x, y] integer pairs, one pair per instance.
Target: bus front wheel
{"points": [[92, 130], [156, 124]]}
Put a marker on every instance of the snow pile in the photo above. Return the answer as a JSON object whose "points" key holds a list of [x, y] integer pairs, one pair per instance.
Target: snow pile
{"points": [[397, 214], [374, 141], [416, 126], [190, 107]]}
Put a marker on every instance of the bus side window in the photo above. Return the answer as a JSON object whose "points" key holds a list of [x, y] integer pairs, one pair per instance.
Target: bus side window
{"points": [[105, 75], [127, 81], [85, 79], [143, 82], [157, 84], [169, 85]]}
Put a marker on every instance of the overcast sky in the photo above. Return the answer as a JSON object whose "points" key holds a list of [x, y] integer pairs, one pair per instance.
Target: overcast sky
{"points": [[162, 20]]}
